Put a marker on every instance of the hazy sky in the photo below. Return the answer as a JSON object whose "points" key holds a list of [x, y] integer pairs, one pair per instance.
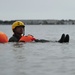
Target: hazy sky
{"points": [[37, 9]]}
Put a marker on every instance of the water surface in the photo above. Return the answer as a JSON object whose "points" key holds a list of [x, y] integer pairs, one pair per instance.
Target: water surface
{"points": [[49, 58]]}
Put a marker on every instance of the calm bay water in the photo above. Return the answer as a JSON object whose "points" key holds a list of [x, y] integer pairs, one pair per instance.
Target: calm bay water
{"points": [[50, 58]]}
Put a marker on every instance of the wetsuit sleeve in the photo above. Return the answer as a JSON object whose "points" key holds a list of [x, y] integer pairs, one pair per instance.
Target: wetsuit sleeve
{"points": [[41, 40]]}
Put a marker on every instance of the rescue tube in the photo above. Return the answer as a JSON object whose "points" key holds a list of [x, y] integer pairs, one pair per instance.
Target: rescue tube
{"points": [[3, 38], [28, 38]]}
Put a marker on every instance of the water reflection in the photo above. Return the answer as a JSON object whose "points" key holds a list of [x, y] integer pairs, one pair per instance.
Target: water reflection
{"points": [[18, 44], [19, 58]]}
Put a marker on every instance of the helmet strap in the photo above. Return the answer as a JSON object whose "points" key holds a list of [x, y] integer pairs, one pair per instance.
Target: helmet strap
{"points": [[24, 31]]}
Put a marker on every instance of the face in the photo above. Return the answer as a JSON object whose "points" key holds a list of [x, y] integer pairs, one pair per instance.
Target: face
{"points": [[19, 30]]}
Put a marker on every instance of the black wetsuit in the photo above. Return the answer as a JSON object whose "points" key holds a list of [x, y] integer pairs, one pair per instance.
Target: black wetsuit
{"points": [[14, 38], [63, 38]]}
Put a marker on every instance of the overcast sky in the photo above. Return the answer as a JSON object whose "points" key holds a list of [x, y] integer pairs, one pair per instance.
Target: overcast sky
{"points": [[37, 9]]}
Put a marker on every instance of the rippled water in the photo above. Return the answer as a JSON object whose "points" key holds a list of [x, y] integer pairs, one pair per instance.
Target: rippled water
{"points": [[50, 58]]}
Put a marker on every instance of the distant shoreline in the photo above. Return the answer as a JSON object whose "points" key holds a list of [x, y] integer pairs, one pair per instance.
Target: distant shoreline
{"points": [[41, 22]]}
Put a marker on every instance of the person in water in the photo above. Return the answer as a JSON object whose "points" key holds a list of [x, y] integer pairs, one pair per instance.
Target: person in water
{"points": [[18, 28]]}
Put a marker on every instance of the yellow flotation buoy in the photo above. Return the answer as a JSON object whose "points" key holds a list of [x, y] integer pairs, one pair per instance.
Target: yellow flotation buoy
{"points": [[3, 38], [28, 38]]}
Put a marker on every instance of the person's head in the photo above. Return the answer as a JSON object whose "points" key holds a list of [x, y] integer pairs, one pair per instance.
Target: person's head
{"points": [[18, 27]]}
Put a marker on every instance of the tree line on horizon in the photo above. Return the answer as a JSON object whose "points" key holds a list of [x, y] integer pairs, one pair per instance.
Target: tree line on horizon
{"points": [[35, 22], [6, 22]]}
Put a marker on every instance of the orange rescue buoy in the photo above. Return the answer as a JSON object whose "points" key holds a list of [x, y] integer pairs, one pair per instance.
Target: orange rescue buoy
{"points": [[3, 38], [28, 38]]}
